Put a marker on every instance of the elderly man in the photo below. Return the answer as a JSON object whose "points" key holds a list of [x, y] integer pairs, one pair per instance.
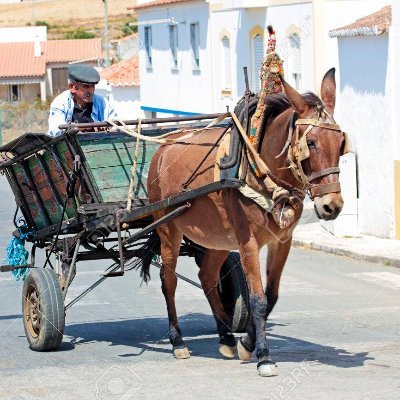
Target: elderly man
{"points": [[79, 103]]}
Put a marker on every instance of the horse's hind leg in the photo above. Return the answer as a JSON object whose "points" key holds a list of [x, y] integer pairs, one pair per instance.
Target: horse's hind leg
{"points": [[209, 278], [170, 245], [277, 256]]}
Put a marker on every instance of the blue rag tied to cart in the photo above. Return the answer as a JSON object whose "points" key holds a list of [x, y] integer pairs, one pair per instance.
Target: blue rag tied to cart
{"points": [[18, 255]]}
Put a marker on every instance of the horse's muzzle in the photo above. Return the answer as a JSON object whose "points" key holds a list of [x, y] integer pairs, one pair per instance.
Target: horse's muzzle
{"points": [[328, 206]]}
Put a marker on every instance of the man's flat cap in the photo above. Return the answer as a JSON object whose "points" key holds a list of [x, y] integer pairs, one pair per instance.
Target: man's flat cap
{"points": [[83, 73]]}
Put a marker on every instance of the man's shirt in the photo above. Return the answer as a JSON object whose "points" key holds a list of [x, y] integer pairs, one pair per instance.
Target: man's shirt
{"points": [[62, 111], [82, 115]]}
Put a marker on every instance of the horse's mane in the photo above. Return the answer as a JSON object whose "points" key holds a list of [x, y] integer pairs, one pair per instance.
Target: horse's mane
{"points": [[278, 103]]}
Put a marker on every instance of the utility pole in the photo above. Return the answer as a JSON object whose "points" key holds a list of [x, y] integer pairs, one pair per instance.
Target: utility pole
{"points": [[106, 37]]}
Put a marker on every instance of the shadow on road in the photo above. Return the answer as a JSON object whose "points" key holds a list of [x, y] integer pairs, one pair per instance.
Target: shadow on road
{"points": [[151, 334]]}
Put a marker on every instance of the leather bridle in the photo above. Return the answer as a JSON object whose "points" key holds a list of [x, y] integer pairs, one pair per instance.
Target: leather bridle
{"points": [[299, 151]]}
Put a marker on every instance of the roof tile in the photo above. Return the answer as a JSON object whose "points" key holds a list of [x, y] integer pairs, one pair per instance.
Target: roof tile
{"points": [[124, 73], [72, 50], [18, 58], [372, 24]]}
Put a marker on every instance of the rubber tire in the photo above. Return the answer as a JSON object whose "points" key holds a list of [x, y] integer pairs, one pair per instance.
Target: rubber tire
{"points": [[46, 284], [233, 290]]}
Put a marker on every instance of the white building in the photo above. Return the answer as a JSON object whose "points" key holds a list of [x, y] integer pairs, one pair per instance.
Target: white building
{"points": [[23, 34], [194, 50], [120, 83]]}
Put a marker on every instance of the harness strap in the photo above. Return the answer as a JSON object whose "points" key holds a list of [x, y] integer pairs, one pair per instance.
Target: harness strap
{"points": [[289, 139], [260, 164], [321, 124], [323, 172], [319, 190]]}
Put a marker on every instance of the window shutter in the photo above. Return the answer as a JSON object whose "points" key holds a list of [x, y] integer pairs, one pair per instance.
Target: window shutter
{"points": [[195, 42], [148, 44], [258, 56], [226, 63], [295, 54], [173, 44]]}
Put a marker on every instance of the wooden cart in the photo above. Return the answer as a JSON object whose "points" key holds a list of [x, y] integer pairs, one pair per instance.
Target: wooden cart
{"points": [[72, 192]]}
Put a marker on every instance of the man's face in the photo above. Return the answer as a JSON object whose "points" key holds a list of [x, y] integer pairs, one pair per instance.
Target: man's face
{"points": [[82, 93]]}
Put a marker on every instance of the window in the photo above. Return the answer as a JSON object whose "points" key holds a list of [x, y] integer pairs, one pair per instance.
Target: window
{"points": [[195, 43], [14, 93], [173, 44], [147, 45], [226, 64], [258, 56], [295, 60]]}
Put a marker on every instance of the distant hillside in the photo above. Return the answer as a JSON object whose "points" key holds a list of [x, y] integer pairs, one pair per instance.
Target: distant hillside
{"points": [[64, 17]]}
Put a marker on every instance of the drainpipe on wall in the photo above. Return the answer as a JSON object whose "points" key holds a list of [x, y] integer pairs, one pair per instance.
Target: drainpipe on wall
{"points": [[212, 60], [319, 38], [394, 57]]}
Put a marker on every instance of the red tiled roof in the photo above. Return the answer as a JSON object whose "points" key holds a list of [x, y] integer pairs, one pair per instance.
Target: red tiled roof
{"points": [[17, 59], [124, 73], [157, 3], [373, 24], [72, 50]]}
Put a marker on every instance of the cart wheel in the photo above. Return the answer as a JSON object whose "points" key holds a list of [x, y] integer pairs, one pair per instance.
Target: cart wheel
{"points": [[43, 310], [234, 292], [232, 289]]}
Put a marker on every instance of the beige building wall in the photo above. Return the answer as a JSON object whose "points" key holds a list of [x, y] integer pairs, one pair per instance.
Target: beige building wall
{"points": [[30, 92], [3, 92]]}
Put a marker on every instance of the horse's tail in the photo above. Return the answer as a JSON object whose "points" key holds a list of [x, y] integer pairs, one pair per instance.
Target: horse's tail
{"points": [[145, 255]]}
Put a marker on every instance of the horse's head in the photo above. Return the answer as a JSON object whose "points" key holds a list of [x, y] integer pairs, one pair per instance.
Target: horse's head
{"points": [[316, 146]]}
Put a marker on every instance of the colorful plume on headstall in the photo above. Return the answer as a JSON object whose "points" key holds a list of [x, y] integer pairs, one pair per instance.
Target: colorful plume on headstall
{"points": [[270, 71]]}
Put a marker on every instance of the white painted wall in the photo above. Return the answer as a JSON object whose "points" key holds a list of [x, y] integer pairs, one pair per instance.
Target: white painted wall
{"points": [[363, 81], [182, 89], [365, 115], [363, 85], [23, 34], [180, 84], [284, 19], [126, 99]]}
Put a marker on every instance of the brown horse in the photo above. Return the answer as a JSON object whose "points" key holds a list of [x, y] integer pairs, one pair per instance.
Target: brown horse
{"points": [[227, 220]]}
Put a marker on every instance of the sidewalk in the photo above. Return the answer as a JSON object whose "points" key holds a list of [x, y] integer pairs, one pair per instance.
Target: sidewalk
{"points": [[369, 248]]}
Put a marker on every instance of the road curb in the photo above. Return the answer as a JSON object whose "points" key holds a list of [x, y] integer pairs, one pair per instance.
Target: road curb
{"points": [[374, 258]]}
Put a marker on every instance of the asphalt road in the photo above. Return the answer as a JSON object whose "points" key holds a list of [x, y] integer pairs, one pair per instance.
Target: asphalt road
{"points": [[335, 333]]}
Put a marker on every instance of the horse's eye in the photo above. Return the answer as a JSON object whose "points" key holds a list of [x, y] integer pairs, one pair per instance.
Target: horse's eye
{"points": [[311, 144]]}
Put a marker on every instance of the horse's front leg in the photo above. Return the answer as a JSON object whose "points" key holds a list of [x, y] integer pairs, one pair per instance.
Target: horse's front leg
{"points": [[249, 254], [277, 255], [209, 278]]}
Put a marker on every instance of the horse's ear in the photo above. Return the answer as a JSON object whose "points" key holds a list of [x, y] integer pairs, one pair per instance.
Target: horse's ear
{"points": [[295, 98], [328, 90]]}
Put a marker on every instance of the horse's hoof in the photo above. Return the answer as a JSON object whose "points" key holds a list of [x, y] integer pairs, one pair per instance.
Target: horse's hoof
{"points": [[228, 351], [267, 368], [181, 353], [244, 354]]}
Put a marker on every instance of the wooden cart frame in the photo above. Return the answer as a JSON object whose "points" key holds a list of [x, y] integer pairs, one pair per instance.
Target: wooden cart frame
{"points": [[68, 212]]}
